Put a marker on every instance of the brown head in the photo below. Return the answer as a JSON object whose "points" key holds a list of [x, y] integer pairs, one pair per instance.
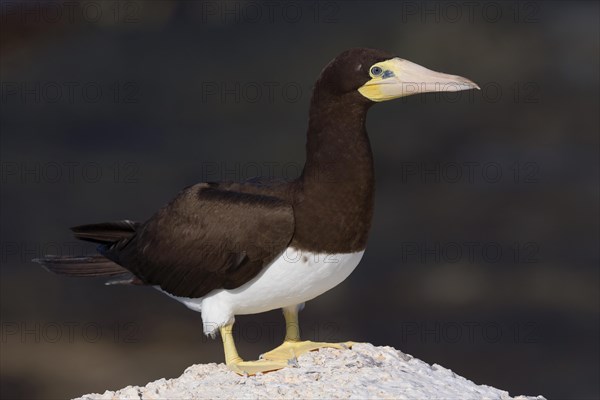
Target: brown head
{"points": [[335, 202]]}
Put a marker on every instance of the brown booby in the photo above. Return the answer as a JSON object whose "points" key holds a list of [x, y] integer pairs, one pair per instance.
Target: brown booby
{"points": [[226, 249]]}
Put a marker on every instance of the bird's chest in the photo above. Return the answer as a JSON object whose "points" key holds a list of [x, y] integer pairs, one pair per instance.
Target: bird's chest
{"points": [[310, 273], [294, 277]]}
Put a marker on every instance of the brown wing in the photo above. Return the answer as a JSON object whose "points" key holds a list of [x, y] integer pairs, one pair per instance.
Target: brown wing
{"points": [[207, 238]]}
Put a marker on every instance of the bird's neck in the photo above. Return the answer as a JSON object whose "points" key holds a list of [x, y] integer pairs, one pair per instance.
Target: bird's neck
{"points": [[337, 141], [338, 178]]}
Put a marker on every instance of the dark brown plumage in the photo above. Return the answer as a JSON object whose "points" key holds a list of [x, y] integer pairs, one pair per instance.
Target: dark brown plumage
{"points": [[207, 238], [221, 235]]}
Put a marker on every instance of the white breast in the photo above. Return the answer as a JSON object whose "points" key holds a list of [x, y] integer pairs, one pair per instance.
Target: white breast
{"points": [[293, 278]]}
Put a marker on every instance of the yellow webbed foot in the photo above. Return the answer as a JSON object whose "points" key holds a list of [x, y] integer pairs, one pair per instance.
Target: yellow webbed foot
{"points": [[291, 350], [236, 364], [260, 366], [285, 355]]}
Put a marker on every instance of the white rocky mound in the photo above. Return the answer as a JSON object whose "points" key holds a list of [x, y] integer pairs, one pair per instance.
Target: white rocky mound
{"points": [[364, 372]]}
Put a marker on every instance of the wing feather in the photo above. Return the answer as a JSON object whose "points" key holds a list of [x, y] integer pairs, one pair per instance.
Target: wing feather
{"points": [[207, 238]]}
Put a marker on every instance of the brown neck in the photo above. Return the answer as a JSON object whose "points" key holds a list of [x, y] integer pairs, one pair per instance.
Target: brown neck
{"points": [[335, 205]]}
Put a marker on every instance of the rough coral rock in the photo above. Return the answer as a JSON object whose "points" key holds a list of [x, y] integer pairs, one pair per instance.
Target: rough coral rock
{"points": [[366, 371]]}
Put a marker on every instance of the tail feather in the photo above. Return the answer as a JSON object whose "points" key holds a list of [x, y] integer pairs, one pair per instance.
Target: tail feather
{"points": [[106, 232], [86, 266]]}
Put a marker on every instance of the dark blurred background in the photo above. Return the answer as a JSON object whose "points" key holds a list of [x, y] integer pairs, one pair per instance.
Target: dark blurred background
{"points": [[483, 256]]}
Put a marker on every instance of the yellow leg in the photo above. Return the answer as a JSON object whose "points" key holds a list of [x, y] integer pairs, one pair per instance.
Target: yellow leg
{"points": [[239, 366], [292, 346]]}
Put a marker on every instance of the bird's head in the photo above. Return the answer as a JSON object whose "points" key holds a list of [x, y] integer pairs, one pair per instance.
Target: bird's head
{"points": [[379, 76]]}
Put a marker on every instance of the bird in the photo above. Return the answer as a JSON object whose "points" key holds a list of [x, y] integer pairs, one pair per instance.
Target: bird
{"points": [[236, 248]]}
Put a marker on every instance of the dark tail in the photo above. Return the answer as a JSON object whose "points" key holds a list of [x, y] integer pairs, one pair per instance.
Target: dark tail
{"points": [[81, 266], [106, 234]]}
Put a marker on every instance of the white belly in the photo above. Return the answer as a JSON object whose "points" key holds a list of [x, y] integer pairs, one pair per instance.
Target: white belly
{"points": [[293, 278]]}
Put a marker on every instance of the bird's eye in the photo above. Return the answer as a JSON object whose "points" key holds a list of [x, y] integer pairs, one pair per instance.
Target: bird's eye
{"points": [[376, 71]]}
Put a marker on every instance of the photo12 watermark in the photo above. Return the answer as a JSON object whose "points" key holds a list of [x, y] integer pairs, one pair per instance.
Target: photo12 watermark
{"points": [[267, 12], [468, 252], [68, 172], [69, 92], [67, 12], [69, 332], [237, 92], [469, 172], [26, 251], [472, 12], [471, 332]]}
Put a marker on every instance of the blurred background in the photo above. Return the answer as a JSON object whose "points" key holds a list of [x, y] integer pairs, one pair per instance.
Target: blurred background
{"points": [[483, 256]]}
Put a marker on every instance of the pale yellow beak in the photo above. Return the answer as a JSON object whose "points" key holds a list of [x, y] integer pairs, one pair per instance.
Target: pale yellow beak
{"points": [[396, 78]]}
